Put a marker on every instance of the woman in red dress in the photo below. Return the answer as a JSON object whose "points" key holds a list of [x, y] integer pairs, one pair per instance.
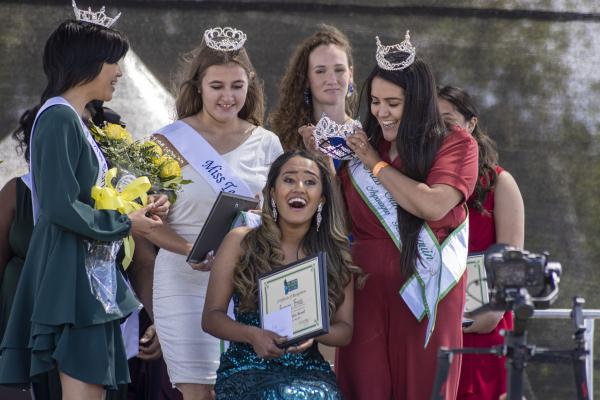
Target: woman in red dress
{"points": [[496, 215], [407, 189]]}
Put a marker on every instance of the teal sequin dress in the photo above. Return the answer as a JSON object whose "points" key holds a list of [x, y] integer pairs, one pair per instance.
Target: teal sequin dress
{"points": [[242, 375]]}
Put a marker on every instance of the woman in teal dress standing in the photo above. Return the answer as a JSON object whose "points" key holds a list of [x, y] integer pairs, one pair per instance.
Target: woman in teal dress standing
{"points": [[56, 322], [301, 216]]}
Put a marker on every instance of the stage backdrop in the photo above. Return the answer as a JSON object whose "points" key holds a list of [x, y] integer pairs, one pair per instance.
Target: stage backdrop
{"points": [[531, 65]]}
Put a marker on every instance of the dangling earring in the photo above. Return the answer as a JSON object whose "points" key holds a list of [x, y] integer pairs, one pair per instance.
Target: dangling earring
{"points": [[319, 216], [350, 90], [274, 207], [307, 97]]}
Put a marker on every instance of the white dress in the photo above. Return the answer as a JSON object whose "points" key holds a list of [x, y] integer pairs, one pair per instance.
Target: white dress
{"points": [[191, 355]]}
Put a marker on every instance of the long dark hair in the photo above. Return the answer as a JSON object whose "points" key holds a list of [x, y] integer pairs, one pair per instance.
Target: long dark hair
{"points": [[488, 155], [262, 246], [73, 55], [419, 138]]}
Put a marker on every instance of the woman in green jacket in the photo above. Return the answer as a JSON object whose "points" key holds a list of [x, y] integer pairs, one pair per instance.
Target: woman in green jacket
{"points": [[56, 321]]}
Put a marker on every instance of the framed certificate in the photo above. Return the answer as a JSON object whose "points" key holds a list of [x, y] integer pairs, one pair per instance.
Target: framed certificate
{"points": [[477, 286], [293, 300]]}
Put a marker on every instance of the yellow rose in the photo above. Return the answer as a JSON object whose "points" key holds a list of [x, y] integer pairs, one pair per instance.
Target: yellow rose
{"points": [[169, 168], [158, 161], [153, 148], [117, 132]]}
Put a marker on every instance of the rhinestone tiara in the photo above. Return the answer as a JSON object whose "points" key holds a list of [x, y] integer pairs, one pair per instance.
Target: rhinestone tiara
{"points": [[404, 47], [94, 17], [224, 39], [330, 137]]}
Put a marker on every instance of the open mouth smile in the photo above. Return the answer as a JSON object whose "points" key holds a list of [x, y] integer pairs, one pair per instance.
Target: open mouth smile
{"points": [[297, 203]]}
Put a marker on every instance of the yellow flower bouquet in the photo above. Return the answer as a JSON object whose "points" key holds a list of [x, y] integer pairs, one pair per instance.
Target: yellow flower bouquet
{"points": [[144, 158], [137, 168]]}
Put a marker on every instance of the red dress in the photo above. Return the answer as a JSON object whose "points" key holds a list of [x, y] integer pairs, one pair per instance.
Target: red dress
{"points": [[386, 358], [483, 376]]}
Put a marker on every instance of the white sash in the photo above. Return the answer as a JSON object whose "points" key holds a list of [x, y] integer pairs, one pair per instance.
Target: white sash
{"points": [[439, 268], [27, 180], [379, 200], [204, 159], [103, 166]]}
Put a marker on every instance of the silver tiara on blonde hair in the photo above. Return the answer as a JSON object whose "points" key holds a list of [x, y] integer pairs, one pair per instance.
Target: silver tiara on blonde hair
{"points": [[94, 17], [224, 39], [405, 47]]}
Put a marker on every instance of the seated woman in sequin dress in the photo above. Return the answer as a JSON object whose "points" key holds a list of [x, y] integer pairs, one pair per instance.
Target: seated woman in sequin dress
{"points": [[301, 216]]}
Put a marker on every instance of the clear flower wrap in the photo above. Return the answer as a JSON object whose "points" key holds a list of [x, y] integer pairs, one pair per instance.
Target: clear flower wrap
{"points": [[101, 270]]}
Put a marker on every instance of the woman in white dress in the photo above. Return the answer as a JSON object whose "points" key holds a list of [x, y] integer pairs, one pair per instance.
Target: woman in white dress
{"points": [[222, 147]]}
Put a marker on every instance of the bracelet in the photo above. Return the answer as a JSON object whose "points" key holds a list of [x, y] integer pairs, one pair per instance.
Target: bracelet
{"points": [[378, 167]]}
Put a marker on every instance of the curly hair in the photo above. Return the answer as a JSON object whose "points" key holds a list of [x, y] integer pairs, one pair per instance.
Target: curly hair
{"points": [[488, 154], [291, 112], [189, 99], [261, 247]]}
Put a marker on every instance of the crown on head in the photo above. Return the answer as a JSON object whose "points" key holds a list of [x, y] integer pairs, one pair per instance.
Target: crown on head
{"points": [[224, 39], [94, 17], [330, 137], [404, 47]]}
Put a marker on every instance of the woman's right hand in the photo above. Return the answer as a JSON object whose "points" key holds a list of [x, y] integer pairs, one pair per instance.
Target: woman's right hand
{"points": [[149, 348], [205, 265], [141, 224], [265, 343], [307, 132]]}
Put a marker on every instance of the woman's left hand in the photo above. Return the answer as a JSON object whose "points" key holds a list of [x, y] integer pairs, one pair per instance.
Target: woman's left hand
{"points": [[359, 143], [301, 347], [161, 205]]}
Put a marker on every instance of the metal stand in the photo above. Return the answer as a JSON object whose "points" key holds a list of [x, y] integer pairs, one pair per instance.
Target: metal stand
{"points": [[518, 352]]}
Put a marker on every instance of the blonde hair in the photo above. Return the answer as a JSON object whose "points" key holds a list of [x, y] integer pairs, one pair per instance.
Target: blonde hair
{"points": [[189, 99], [291, 112]]}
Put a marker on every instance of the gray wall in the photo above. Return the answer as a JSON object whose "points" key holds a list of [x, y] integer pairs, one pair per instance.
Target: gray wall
{"points": [[532, 66]]}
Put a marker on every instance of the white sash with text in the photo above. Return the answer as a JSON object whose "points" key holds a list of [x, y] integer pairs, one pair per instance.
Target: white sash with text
{"points": [[204, 159]]}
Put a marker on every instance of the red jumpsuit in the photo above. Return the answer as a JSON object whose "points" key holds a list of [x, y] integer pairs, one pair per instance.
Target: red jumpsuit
{"points": [[386, 358], [483, 376]]}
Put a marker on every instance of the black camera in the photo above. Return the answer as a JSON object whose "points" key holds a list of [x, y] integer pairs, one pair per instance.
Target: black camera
{"points": [[511, 270], [521, 281]]}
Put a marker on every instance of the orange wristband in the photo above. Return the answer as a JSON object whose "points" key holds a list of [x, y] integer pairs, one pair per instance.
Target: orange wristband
{"points": [[378, 167]]}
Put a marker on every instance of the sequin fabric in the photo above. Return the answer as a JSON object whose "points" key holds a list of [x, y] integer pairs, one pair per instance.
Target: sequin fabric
{"points": [[242, 375]]}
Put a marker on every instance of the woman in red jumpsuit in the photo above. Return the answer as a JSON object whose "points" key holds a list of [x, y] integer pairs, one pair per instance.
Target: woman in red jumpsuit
{"points": [[406, 190], [496, 215]]}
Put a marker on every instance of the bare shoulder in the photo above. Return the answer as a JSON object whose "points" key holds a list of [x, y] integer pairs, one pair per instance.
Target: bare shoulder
{"points": [[9, 190], [230, 250], [236, 235], [507, 193], [506, 182], [8, 197]]}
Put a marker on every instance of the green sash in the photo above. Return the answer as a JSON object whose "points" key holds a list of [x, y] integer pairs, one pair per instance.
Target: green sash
{"points": [[439, 267]]}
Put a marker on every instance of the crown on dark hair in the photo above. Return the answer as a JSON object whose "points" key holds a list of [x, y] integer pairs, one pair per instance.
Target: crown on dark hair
{"points": [[404, 47]]}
